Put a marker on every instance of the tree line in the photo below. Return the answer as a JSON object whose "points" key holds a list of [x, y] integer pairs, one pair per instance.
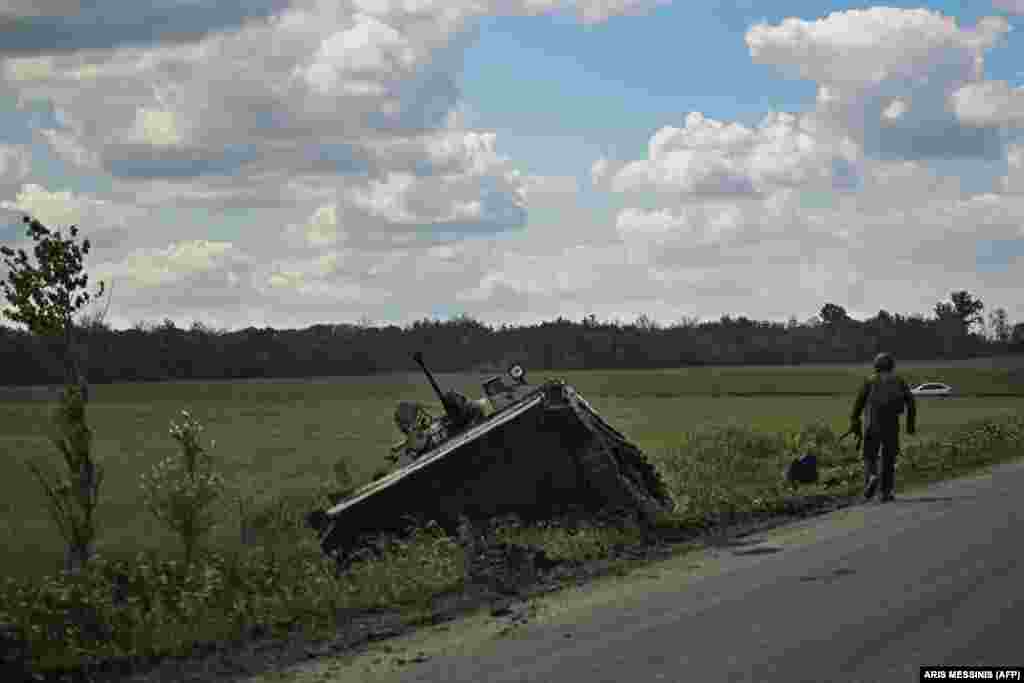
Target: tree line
{"points": [[52, 347], [155, 352]]}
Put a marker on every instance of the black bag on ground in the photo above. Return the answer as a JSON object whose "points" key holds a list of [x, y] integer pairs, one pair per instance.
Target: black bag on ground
{"points": [[803, 470]]}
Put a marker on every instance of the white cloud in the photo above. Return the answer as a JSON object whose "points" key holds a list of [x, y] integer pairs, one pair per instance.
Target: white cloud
{"points": [[309, 275], [522, 281], [539, 188], [865, 60], [158, 128], [69, 150], [322, 229], [351, 61], [403, 199], [356, 101], [15, 164], [817, 197], [1013, 181], [710, 157], [897, 108], [268, 192], [333, 139], [28, 69], [697, 226], [597, 11], [990, 103], [315, 71], [185, 280], [170, 265], [472, 151], [600, 171], [871, 46], [107, 224]]}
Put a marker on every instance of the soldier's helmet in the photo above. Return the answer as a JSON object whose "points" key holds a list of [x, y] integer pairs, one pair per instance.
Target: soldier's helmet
{"points": [[406, 415], [884, 362]]}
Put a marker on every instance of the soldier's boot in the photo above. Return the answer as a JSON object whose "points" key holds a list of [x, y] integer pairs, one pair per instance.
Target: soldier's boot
{"points": [[871, 487]]}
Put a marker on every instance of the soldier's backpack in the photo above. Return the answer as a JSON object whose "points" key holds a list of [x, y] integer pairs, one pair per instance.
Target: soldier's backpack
{"points": [[886, 397]]}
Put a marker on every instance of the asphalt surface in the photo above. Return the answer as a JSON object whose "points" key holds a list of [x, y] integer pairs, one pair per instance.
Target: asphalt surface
{"points": [[870, 593]]}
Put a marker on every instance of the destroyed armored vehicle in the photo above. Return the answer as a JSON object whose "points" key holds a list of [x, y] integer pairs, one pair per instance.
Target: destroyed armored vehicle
{"points": [[530, 451]]}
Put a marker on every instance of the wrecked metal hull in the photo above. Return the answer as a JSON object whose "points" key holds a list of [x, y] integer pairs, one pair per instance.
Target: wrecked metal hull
{"points": [[546, 453]]}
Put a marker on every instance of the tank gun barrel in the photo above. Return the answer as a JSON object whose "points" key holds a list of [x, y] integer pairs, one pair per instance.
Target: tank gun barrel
{"points": [[451, 410]]}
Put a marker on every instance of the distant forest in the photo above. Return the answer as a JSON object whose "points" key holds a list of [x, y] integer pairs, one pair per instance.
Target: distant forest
{"points": [[154, 352]]}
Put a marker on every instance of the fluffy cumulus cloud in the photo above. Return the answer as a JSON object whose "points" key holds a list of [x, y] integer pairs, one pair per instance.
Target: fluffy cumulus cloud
{"points": [[315, 71], [328, 137], [990, 103], [709, 157], [840, 201], [363, 90], [889, 78], [334, 126]]}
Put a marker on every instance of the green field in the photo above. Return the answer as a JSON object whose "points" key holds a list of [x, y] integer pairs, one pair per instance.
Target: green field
{"points": [[282, 437]]}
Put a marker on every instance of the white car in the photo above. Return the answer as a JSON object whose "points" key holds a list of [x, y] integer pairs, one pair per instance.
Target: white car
{"points": [[932, 389]]}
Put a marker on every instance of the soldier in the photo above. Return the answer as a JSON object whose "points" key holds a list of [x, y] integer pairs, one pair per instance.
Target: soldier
{"points": [[413, 421], [882, 397], [469, 411]]}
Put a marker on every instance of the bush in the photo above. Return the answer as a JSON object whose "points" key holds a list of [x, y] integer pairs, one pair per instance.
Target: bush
{"points": [[72, 496], [181, 492]]}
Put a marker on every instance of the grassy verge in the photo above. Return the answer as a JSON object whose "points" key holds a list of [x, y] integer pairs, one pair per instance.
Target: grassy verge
{"points": [[282, 438], [153, 607]]}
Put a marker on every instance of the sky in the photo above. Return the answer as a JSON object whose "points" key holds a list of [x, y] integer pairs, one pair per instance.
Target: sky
{"points": [[287, 163]]}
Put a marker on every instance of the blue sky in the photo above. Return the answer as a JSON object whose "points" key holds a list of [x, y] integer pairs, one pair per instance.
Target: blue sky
{"points": [[299, 162], [599, 89]]}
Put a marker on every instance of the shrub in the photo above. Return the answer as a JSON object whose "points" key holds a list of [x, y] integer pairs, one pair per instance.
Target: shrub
{"points": [[72, 496], [181, 492]]}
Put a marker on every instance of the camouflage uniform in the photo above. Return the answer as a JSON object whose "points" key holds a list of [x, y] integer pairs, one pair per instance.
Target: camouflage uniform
{"points": [[882, 398], [414, 422]]}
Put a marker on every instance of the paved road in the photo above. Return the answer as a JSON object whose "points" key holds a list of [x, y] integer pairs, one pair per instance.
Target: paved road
{"points": [[870, 593]]}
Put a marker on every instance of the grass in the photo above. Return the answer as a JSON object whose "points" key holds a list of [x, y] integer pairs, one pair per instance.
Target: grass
{"points": [[278, 441], [282, 438]]}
